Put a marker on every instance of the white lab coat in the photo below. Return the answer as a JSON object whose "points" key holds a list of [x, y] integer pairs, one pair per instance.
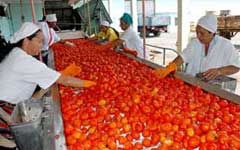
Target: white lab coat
{"points": [[50, 36], [221, 53], [133, 41], [20, 73]]}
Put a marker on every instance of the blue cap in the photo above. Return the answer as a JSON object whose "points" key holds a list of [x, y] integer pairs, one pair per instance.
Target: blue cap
{"points": [[127, 18]]}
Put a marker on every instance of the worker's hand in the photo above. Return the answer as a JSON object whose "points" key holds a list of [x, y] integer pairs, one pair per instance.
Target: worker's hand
{"points": [[211, 74], [69, 44], [129, 51], [71, 70], [163, 72], [88, 83]]}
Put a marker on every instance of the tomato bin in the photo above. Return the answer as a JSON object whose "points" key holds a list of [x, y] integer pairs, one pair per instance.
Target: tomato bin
{"points": [[131, 108]]}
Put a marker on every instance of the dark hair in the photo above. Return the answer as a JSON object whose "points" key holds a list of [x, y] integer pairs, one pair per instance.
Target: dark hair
{"points": [[6, 47], [33, 35]]}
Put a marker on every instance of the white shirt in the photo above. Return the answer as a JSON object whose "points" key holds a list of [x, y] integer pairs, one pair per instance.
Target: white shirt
{"points": [[221, 53], [20, 73], [133, 41], [49, 34]]}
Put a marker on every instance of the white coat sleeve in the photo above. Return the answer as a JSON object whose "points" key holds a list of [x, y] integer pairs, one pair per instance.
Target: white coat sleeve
{"points": [[187, 53], [234, 58], [32, 70], [55, 36]]}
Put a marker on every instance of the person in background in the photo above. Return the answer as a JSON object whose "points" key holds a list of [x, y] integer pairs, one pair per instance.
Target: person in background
{"points": [[20, 73], [209, 55], [50, 35], [129, 38], [107, 33]]}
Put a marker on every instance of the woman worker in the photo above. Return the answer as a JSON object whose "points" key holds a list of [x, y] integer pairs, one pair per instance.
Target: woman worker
{"points": [[208, 54], [20, 73], [130, 38], [50, 36], [107, 33]]}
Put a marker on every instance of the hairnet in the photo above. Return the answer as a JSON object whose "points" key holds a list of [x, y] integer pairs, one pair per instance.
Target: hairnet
{"points": [[127, 18], [208, 22], [27, 29], [51, 18], [105, 23]]}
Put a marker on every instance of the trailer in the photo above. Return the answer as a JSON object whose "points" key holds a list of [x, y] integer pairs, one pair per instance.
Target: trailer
{"points": [[154, 24], [228, 25]]}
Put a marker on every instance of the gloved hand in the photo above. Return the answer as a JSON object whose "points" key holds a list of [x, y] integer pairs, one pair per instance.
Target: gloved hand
{"points": [[71, 70], [88, 83], [129, 51], [163, 72]]}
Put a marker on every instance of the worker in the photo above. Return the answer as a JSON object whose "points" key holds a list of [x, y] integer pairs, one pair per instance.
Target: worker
{"points": [[208, 55], [20, 73], [50, 35], [130, 38], [107, 33]]}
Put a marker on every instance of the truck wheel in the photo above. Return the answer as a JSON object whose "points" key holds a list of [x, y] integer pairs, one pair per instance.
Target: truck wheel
{"points": [[157, 33], [147, 33]]}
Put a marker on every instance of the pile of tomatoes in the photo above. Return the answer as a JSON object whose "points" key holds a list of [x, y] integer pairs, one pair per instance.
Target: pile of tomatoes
{"points": [[132, 108]]}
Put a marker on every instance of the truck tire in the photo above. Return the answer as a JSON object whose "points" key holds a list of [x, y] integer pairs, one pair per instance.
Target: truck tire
{"points": [[147, 33], [157, 33]]}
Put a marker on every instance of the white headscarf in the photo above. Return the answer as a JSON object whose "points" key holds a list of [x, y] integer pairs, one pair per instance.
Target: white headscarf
{"points": [[208, 22], [27, 29], [105, 23], [51, 18]]}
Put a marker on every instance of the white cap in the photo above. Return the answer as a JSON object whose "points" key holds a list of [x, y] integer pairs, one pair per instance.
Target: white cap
{"points": [[51, 18], [27, 29], [208, 22], [105, 23]]}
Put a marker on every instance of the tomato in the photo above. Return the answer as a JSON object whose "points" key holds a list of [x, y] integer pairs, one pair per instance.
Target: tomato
{"points": [[211, 136], [204, 127], [146, 142], [130, 101], [193, 141], [190, 132]]}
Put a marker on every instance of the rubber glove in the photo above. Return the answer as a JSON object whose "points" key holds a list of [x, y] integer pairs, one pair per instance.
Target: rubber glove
{"points": [[163, 72], [88, 83], [71, 70], [129, 51]]}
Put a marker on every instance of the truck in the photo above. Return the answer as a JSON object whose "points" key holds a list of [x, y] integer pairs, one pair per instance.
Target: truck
{"points": [[154, 24], [228, 25]]}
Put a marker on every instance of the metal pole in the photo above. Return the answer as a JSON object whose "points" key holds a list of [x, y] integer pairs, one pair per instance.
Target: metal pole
{"points": [[144, 30], [33, 11], [43, 8], [154, 7], [21, 9], [109, 10], [179, 22], [89, 19], [164, 56]]}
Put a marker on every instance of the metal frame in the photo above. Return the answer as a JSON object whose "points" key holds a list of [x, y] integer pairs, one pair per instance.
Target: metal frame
{"points": [[60, 142], [164, 51]]}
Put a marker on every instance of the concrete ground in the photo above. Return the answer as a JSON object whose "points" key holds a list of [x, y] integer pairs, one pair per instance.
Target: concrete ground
{"points": [[166, 40]]}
